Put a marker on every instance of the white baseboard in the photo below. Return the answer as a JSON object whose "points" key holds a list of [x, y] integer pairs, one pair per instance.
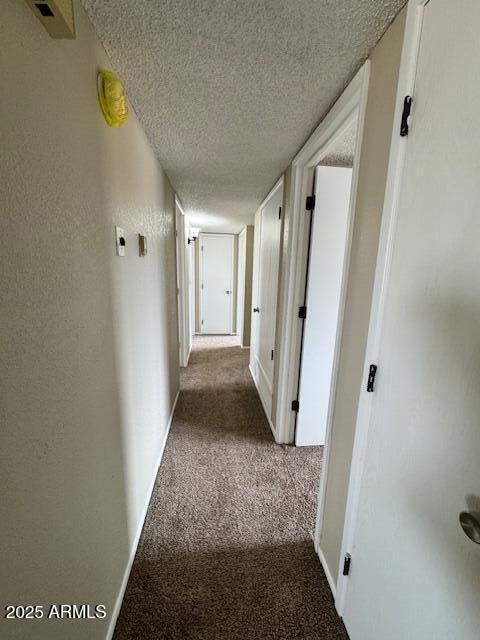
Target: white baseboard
{"points": [[331, 581], [263, 403], [128, 568]]}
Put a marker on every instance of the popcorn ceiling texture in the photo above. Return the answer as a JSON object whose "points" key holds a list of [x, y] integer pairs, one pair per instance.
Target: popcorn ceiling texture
{"points": [[228, 91], [342, 152]]}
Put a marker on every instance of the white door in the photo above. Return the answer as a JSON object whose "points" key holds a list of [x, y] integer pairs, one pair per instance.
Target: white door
{"points": [[328, 246], [216, 283], [242, 251], [414, 573], [191, 275], [264, 316], [180, 256]]}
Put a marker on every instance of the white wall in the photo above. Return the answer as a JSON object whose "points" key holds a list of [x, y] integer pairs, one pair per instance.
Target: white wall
{"points": [[89, 354]]}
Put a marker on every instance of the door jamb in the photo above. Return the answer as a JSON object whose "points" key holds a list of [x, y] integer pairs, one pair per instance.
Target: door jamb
{"points": [[406, 83], [351, 105], [242, 239], [183, 284], [200, 278]]}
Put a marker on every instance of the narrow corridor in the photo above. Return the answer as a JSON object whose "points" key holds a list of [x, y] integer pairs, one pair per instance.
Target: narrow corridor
{"points": [[227, 551]]}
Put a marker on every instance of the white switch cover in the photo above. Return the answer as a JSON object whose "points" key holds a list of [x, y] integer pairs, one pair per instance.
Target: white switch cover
{"points": [[120, 241]]}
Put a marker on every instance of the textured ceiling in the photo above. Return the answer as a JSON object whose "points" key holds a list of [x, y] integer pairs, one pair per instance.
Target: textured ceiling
{"points": [[228, 90], [342, 151]]}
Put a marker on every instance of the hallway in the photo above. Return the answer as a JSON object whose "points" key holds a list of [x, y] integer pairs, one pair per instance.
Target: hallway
{"points": [[226, 551]]}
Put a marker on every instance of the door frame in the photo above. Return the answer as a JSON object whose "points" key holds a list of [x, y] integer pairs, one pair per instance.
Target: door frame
{"points": [[350, 106], [200, 278], [183, 285], [406, 84], [242, 255], [191, 285]]}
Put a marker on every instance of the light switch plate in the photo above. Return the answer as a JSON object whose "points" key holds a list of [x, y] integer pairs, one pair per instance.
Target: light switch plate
{"points": [[120, 241]]}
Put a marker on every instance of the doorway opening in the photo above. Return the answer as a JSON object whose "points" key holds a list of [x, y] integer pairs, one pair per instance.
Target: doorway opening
{"points": [[321, 310], [318, 279]]}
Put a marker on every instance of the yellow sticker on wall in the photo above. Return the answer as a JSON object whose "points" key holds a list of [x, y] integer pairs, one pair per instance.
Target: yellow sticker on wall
{"points": [[111, 96]]}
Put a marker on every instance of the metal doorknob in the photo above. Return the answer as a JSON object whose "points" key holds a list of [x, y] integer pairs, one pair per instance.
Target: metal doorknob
{"points": [[256, 310], [470, 523], [228, 292]]}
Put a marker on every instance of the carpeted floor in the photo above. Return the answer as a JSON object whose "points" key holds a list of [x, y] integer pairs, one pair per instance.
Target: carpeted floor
{"points": [[226, 552]]}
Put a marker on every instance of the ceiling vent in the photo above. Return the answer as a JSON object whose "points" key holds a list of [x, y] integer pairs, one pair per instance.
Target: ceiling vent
{"points": [[56, 16]]}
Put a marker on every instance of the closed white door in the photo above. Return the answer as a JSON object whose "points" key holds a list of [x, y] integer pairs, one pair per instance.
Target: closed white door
{"points": [[191, 253], [328, 245], [264, 317], [216, 283], [414, 573]]}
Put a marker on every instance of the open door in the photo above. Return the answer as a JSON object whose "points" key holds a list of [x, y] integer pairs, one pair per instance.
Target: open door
{"points": [[328, 247], [415, 573]]}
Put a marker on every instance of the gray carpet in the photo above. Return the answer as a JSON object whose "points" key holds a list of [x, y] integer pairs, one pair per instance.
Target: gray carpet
{"points": [[226, 552]]}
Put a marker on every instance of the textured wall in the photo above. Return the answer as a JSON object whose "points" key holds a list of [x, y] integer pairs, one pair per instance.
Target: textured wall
{"points": [[370, 194], [89, 341]]}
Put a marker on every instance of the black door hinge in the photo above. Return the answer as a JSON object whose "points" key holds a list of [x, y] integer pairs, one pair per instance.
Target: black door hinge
{"points": [[302, 312], [407, 107], [295, 405], [372, 372], [279, 213], [347, 561], [271, 356], [310, 203]]}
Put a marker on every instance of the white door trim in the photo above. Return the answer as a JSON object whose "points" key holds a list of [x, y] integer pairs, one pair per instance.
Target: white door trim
{"points": [[349, 107], [200, 273], [191, 285], [276, 186], [183, 284], [405, 87], [241, 261]]}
